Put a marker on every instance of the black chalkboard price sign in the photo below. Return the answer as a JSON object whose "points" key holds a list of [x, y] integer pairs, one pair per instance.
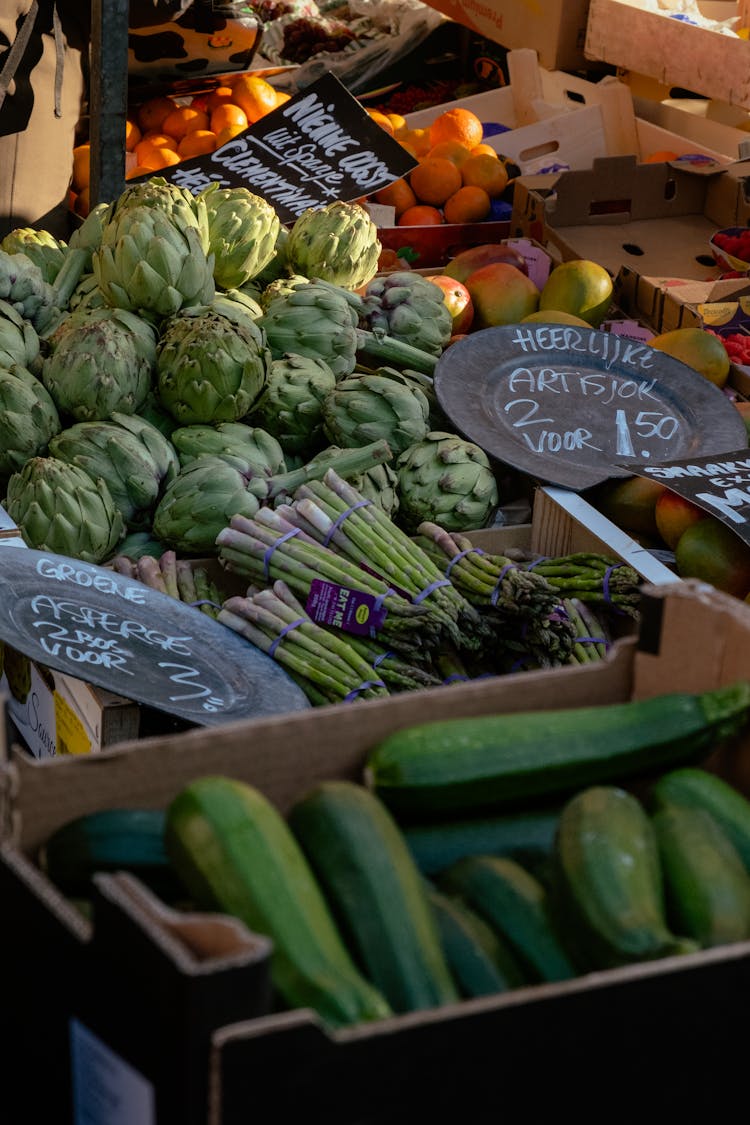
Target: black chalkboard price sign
{"points": [[118, 634], [569, 405]]}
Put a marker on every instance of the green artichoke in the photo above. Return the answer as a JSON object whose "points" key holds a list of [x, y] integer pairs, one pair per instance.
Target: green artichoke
{"points": [[242, 231], [23, 286], [380, 485], [363, 408], [410, 308], [238, 307], [208, 368], [102, 361], [199, 502], [40, 247], [181, 207], [59, 508], [445, 480], [28, 418], [150, 263], [19, 342], [313, 321], [291, 406], [87, 294], [153, 411], [138, 544], [243, 447], [278, 266], [338, 243], [281, 287], [129, 454]]}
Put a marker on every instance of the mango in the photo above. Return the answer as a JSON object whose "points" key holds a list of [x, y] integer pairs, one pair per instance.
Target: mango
{"points": [[580, 287], [710, 551], [697, 348], [552, 316]]}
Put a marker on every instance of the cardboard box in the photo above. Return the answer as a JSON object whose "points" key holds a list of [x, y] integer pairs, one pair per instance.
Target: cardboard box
{"points": [[672, 302], [706, 133], [556, 29], [646, 1018], [631, 35], [658, 217]]}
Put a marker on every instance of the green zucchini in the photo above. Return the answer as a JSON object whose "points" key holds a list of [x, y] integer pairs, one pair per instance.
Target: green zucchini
{"points": [[488, 762], [708, 888], [123, 839], [525, 836], [517, 906], [610, 885], [700, 789], [376, 892], [235, 853], [480, 961]]}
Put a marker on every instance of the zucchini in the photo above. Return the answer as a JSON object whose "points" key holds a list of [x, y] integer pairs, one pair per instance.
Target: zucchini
{"points": [[480, 961], [488, 762], [527, 837], [610, 886], [708, 888], [700, 789], [376, 892], [517, 906], [235, 853], [110, 840]]}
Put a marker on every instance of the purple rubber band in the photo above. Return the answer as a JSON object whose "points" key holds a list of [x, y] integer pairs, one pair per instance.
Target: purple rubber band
{"points": [[541, 559], [454, 678], [420, 597], [335, 526], [362, 687], [462, 555], [204, 601], [592, 641], [379, 603], [379, 659], [269, 552], [287, 629], [496, 592], [518, 664], [605, 581]]}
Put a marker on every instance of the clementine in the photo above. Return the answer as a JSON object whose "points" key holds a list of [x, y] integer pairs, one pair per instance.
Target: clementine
{"points": [[220, 96], [254, 95], [183, 120], [434, 180], [485, 172], [467, 205], [152, 113], [227, 114], [197, 143], [132, 135], [81, 167], [420, 216], [457, 124], [451, 150], [398, 194]]}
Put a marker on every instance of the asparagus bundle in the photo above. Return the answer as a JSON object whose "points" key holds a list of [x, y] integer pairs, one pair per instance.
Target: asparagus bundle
{"points": [[335, 514], [593, 579], [176, 577], [592, 639], [327, 668], [397, 673]]}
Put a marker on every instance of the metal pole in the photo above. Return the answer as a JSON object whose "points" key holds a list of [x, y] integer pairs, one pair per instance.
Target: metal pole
{"points": [[108, 98]]}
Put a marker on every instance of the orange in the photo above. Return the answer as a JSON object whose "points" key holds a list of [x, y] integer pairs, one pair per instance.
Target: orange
{"points": [[253, 94], [152, 113], [82, 202], [227, 114], [381, 120], [660, 157], [197, 143], [486, 172], [281, 97], [415, 140], [132, 135], [397, 122], [154, 157], [139, 170], [398, 195], [81, 167], [451, 150], [152, 141], [488, 150], [467, 205], [183, 120], [157, 138], [420, 216], [457, 124], [220, 96], [227, 133], [434, 180]]}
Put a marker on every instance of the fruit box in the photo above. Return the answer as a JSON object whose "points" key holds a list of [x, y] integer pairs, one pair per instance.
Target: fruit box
{"points": [[673, 302], [630, 34], [167, 1022], [620, 212]]}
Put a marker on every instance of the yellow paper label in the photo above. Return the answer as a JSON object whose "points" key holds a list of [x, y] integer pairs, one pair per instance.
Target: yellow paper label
{"points": [[718, 312], [71, 735]]}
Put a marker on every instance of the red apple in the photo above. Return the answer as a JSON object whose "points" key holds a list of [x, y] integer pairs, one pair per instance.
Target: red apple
{"points": [[457, 299], [501, 295]]}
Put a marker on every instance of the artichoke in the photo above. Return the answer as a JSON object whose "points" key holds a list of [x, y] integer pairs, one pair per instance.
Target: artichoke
{"points": [[243, 447], [445, 480], [28, 418], [281, 287], [40, 247], [237, 306], [59, 508], [208, 368], [87, 294], [19, 342], [152, 263], [129, 454], [23, 286], [153, 411], [101, 362], [199, 502], [278, 266], [313, 321], [363, 408], [338, 243], [138, 544], [410, 308], [291, 406], [242, 231], [380, 485], [177, 204]]}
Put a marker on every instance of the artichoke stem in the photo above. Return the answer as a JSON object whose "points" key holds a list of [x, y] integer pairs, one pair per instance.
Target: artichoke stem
{"points": [[389, 350]]}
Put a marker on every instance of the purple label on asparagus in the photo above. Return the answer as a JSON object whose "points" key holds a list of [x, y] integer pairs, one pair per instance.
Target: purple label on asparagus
{"points": [[377, 574], [352, 611]]}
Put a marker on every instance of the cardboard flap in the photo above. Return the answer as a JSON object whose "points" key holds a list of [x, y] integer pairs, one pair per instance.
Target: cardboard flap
{"points": [[618, 189]]}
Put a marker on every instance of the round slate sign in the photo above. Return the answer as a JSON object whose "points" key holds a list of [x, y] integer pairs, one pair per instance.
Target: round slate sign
{"points": [[567, 405], [118, 634]]}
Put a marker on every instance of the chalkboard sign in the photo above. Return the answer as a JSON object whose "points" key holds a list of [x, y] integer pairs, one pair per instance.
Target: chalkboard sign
{"points": [[318, 147], [118, 634], [568, 405], [718, 484]]}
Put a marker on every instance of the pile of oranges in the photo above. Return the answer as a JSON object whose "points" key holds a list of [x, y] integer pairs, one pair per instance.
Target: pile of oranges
{"points": [[457, 177], [163, 131]]}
